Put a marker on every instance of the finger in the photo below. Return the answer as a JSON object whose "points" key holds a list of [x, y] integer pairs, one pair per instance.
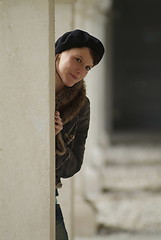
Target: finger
{"points": [[58, 128], [58, 124], [57, 113], [58, 121]]}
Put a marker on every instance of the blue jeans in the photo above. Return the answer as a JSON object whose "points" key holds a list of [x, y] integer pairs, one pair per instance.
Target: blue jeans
{"points": [[61, 233]]}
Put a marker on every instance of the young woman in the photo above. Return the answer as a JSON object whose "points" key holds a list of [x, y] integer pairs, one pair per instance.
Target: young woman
{"points": [[76, 53]]}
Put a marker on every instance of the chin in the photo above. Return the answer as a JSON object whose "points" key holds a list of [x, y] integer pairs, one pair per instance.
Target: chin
{"points": [[69, 84]]}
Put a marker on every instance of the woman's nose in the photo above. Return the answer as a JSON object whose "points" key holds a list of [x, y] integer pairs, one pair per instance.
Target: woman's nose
{"points": [[80, 70]]}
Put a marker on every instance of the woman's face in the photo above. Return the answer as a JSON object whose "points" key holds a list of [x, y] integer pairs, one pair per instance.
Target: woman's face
{"points": [[73, 65]]}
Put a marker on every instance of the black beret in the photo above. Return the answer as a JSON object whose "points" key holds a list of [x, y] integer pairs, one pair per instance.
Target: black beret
{"points": [[78, 39]]}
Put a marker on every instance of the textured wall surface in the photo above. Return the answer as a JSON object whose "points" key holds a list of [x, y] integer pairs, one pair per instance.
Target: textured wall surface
{"points": [[25, 120]]}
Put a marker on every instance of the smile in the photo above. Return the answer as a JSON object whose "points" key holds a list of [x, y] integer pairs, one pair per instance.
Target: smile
{"points": [[73, 76]]}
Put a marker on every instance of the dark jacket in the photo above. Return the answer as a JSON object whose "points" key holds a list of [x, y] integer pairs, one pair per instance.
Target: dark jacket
{"points": [[70, 143]]}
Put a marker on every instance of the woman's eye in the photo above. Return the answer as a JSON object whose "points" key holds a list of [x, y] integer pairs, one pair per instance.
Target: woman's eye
{"points": [[88, 68], [78, 60]]}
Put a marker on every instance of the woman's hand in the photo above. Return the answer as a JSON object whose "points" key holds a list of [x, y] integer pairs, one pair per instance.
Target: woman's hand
{"points": [[58, 123]]}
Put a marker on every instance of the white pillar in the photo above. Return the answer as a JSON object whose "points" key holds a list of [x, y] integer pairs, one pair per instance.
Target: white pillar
{"points": [[27, 134]]}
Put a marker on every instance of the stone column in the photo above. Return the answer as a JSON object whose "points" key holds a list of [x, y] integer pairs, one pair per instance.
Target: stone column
{"points": [[27, 131]]}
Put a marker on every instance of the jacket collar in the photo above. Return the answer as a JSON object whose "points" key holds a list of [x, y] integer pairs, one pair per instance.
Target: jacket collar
{"points": [[70, 101]]}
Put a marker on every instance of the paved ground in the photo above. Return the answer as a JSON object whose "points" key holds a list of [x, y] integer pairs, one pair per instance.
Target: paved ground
{"points": [[122, 236]]}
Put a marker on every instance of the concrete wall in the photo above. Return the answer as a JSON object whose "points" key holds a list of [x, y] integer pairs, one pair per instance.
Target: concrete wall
{"points": [[27, 103]]}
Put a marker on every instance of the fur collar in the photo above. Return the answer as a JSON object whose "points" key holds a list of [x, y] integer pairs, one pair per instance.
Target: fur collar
{"points": [[69, 102]]}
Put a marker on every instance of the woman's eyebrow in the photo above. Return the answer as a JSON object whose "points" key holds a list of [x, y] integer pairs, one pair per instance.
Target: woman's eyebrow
{"points": [[77, 55]]}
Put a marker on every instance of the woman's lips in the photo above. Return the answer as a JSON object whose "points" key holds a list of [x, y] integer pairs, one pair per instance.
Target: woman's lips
{"points": [[73, 76]]}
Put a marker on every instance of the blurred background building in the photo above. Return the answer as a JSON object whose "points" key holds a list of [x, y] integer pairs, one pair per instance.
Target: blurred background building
{"points": [[119, 187]]}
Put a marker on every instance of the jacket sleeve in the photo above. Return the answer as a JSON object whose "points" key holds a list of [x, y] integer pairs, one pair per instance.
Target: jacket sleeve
{"points": [[70, 162]]}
